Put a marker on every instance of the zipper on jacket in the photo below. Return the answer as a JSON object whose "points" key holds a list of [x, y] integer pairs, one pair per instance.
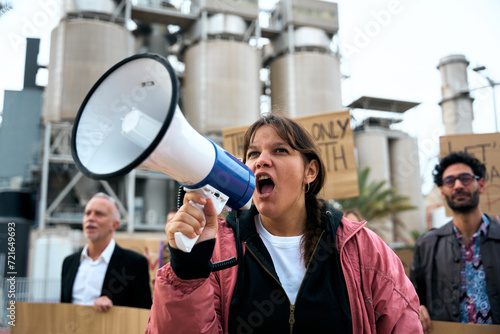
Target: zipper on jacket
{"points": [[267, 271], [291, 319]]}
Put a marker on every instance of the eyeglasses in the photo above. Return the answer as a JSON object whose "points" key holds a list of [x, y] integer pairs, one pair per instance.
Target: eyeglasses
{"points": [[465, 179]]}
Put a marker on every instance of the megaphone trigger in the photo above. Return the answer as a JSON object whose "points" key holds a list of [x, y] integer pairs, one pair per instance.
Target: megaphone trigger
{"points": [[218, 199]]}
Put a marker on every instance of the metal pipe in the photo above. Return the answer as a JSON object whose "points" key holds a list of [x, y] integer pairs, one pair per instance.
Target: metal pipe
{"points": [[494, 105], [492, 84], [45, 177], [128, 15], [131, 201]]}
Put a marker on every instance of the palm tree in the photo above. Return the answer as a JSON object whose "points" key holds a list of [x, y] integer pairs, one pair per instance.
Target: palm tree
{"points": [[5, 7], [375, 200]]}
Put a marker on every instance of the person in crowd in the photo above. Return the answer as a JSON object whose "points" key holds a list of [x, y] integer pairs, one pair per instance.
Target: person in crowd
{"points": [[301, 268], [353, 214], [456, 268], [103, 274]]}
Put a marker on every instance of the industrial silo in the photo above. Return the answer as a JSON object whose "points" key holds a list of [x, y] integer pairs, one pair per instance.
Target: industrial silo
{"points": [[304, 70], [372, 150], [90, 38], [406, 179], [85, 44], [456, 103], [221, 87]]}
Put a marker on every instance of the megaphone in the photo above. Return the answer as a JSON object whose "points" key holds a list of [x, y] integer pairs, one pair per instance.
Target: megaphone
{"points": [[130, 119]]}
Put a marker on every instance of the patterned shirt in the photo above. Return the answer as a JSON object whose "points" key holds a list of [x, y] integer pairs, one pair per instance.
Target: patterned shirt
{"points": [[474, 302]]}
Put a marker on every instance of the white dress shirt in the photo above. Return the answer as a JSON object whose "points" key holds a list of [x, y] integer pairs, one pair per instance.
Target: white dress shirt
{"points": [[90, 276]]}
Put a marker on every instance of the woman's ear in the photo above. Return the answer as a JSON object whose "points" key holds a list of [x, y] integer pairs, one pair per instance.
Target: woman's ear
{"points": [[311, 171]]}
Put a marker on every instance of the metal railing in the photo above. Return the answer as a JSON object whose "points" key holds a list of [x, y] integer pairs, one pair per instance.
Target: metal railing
{"points": [[23, 289]]}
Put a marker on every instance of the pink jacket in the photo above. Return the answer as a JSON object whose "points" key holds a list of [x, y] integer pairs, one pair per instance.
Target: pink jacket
{"points": [[381, 297]]}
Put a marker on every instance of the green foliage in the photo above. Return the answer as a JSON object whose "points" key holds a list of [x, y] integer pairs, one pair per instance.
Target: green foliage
{"points": [[5, 6], [375, 200], [415, 234]]}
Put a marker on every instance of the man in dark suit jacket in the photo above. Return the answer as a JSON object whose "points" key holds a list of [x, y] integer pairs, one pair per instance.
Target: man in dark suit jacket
{"points": [[104, 274]]}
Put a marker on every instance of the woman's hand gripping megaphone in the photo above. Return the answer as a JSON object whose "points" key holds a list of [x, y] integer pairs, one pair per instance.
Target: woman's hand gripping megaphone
{"points": [[196, 219]]}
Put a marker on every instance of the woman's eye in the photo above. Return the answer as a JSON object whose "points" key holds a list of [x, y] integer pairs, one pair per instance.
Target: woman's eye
{"points": [[251, 154], [281, 150]]}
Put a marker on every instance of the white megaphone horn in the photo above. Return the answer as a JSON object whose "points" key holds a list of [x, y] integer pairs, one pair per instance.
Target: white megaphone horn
{"points": [[130, 119]]}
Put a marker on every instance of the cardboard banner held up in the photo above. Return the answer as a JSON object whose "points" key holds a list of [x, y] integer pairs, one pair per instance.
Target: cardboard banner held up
{"points": [[486, 148], [333, 133], [68, 318], [443, 327]]}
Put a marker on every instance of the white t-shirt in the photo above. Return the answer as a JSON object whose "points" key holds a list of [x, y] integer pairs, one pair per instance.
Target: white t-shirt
{"points": [[90, 276], [288, 262]]}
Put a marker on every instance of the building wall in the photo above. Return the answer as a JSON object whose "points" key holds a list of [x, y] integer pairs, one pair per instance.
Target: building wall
{"points": [[20, 133]]}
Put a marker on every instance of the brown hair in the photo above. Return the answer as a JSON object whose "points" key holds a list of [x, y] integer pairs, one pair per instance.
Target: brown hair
{"points": [[300, 140]]}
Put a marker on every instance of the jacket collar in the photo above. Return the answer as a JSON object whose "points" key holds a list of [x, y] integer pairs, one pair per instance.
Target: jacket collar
{"points": [[493, 232], [494, 229], [246, 222], [446, 229]]}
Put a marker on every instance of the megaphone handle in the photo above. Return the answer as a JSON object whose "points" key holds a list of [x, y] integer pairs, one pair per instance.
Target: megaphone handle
{"points": [[183, 242], [218, 199]]}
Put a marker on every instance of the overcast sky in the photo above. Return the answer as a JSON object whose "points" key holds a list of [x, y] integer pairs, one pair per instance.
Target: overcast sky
{"points": [[399, 60], [390, 49]]}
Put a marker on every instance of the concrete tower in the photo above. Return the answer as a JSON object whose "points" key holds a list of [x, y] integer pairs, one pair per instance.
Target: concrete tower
{"points": [[456, 103]]}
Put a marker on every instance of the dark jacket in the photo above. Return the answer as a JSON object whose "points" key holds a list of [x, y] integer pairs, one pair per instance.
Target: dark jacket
{"points": [[435, 271], [321, 306], [126, 281]]}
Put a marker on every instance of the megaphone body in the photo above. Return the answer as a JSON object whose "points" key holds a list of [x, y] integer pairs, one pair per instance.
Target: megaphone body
{"points": [[130, 119]]}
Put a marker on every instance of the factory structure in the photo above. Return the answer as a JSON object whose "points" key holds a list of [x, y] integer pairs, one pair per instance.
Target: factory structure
{"points": [[216, 49], [233, 60]]}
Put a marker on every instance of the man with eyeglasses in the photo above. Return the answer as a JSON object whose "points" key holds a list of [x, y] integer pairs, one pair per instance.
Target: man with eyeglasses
{"points": [[456, 268]]}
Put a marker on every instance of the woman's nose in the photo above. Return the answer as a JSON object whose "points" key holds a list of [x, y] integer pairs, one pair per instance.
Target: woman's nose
{"points": [[263, 160]]}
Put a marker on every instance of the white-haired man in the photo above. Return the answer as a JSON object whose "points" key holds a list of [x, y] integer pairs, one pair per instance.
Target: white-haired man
{"points": [[103, 274]]}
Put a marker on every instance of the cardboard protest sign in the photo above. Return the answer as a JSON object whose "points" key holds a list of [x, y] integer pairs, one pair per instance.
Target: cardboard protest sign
{"points": [[486, 148], [333, 133], [443, 327], [233, 140], [69, 318]]}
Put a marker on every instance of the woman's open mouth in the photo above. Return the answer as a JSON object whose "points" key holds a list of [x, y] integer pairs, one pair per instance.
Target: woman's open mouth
{"points": [[265, 185]]}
